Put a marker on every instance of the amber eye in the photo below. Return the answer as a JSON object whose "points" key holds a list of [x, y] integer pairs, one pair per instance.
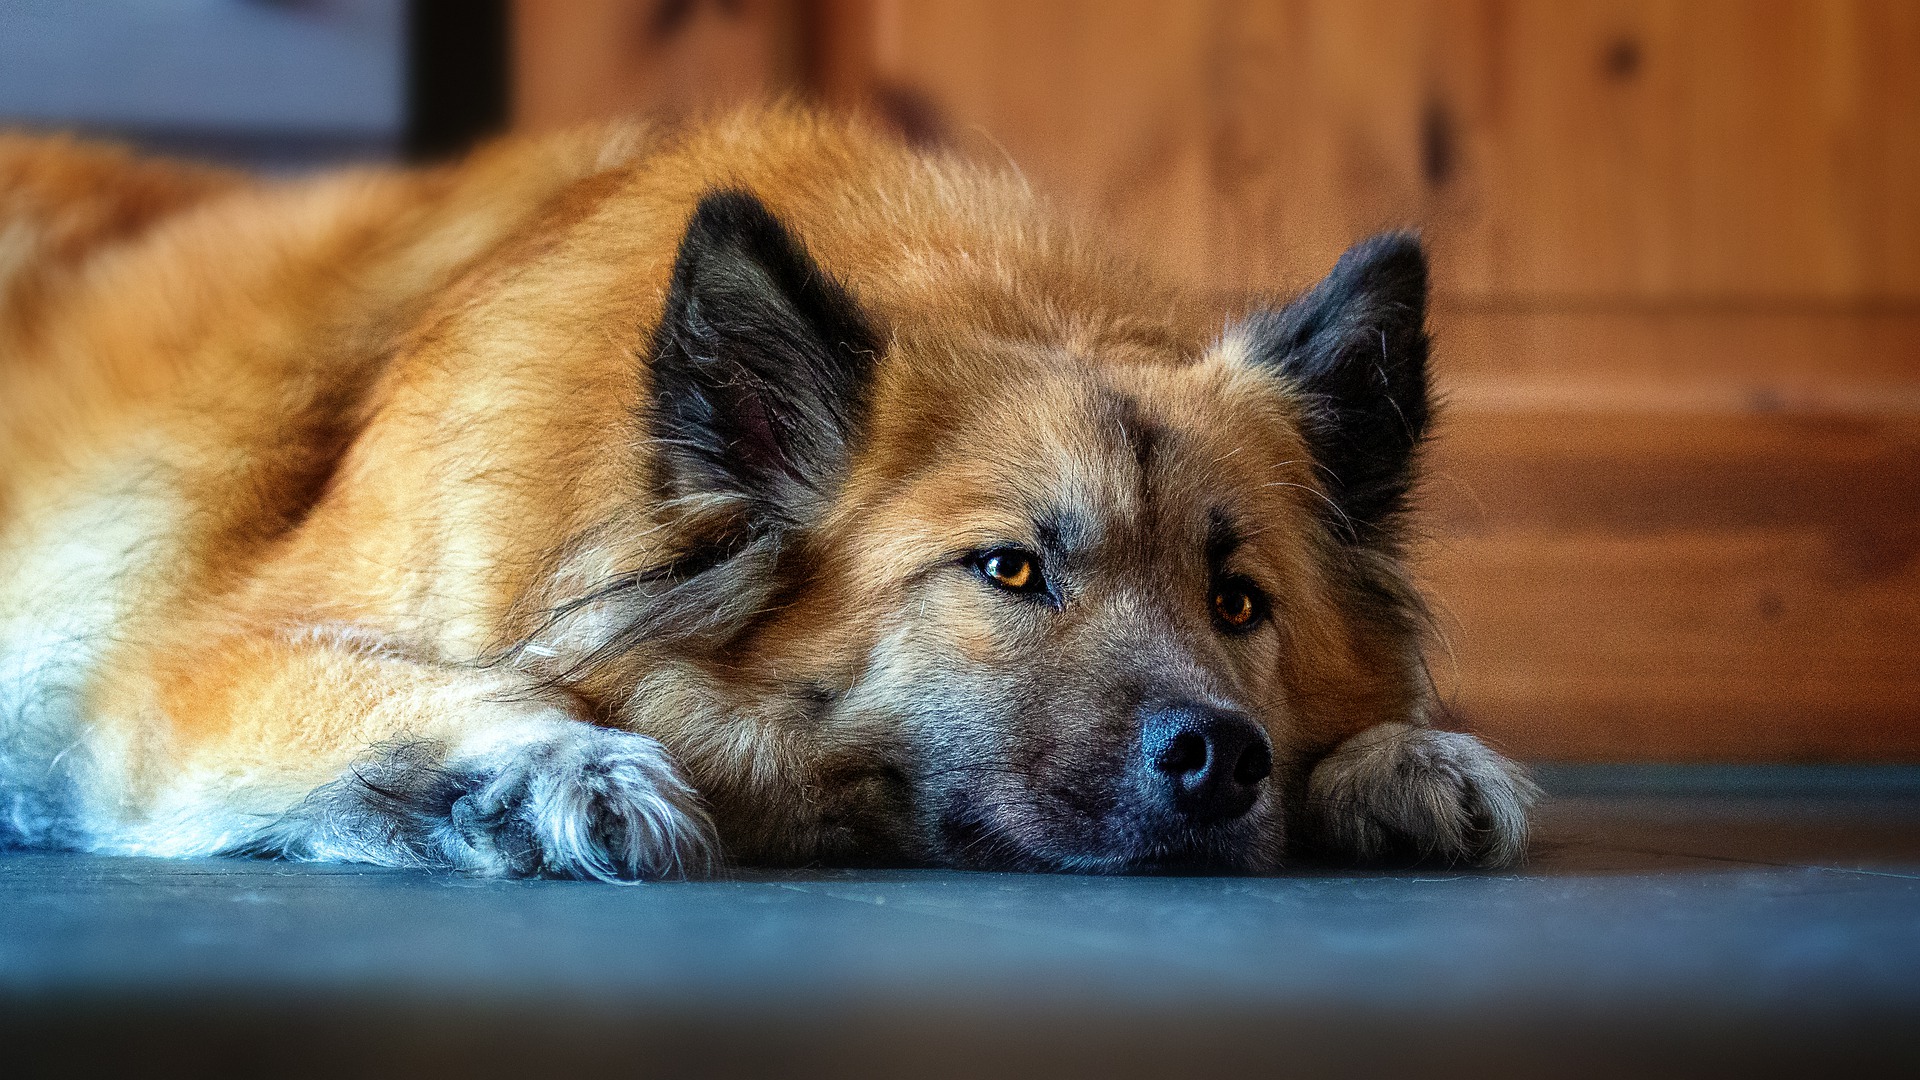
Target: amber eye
{"points": [[1237, 603], [1012, 569]]}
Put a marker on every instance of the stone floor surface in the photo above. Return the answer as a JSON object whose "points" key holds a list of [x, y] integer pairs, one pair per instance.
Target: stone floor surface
{"points": [[1677, 922]]}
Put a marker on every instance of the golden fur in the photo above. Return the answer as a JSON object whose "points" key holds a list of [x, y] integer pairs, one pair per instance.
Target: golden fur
{"points": [[295, 473]]}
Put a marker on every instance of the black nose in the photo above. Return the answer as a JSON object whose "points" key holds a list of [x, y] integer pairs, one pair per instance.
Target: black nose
{"points": [[1214, 759]]}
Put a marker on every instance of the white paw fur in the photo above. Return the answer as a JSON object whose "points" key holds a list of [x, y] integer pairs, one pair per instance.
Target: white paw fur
{"points": [[585, 802], [1398, 790], [541, 794]]}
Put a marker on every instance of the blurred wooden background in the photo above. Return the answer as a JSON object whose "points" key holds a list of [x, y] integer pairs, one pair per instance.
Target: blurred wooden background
{"points": [[1676, 498]]}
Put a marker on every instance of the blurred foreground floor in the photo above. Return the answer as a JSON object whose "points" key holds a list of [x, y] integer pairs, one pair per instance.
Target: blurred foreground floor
{"points": [[1673, 921]]}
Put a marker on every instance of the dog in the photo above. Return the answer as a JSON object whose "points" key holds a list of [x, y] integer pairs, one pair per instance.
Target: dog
{"points": [[637, 503]]}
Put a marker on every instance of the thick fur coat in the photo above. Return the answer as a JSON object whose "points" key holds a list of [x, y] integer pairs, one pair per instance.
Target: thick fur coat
{"points": [[627, 504]]}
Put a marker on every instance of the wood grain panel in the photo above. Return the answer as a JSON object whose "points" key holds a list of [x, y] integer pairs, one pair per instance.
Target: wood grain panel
{"points": [[1751, 149], [1681, 585], [1626, 148], [1682, 148], [581, 60], [1100, 102], [1765, 359]]}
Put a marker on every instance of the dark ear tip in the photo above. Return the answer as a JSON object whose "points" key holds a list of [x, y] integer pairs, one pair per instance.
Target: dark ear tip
{"points": [[730, 211], [1393, 262]]}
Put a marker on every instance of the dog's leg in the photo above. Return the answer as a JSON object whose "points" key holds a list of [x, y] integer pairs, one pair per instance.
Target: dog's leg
{"points": [[330, 750], [1398, 791]]}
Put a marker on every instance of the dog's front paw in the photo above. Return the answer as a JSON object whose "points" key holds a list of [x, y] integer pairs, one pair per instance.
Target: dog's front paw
{"points": [[585, 802], [1396, 791]]}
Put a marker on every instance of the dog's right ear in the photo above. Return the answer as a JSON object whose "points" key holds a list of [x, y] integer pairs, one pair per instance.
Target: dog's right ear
{"points": [[761, 368]]}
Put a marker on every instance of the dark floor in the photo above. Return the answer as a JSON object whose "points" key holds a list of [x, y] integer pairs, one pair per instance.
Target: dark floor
{"points": [[1760, 921]]}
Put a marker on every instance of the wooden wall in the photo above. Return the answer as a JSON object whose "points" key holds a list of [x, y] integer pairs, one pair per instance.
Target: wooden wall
{"points": [[1675, 508]]}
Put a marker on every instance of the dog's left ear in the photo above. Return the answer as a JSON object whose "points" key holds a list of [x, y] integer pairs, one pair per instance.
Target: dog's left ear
{"points": [[1354, 347], [760, 370]]}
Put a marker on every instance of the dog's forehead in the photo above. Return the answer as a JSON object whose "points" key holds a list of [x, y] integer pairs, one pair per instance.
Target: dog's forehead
{"points": [[1126, 462], [1122, 450]]}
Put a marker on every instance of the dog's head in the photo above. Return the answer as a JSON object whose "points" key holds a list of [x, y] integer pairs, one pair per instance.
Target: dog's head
{"points": [[1052, 599]]}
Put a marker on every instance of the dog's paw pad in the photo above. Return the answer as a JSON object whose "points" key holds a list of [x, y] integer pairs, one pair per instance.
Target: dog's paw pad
{"points": [[586, 803], [1396, 791]]}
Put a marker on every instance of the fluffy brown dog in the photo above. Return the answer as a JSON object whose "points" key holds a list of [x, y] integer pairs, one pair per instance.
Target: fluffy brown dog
{"points": [[624, 504]]}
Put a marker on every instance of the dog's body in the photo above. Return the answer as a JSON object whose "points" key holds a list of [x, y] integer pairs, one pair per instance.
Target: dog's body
{"points": [[617, 504]]}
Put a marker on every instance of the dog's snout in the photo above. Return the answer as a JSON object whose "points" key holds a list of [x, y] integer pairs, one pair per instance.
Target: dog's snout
{"points": [[1209, 762]]}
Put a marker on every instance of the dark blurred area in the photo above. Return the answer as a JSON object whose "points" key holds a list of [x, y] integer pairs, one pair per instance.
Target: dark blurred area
{"points": [[271, 84]]}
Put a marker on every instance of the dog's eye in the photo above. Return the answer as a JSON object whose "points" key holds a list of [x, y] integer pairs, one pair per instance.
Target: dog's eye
{"points": [[1013, 570], [1237, 603]]}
